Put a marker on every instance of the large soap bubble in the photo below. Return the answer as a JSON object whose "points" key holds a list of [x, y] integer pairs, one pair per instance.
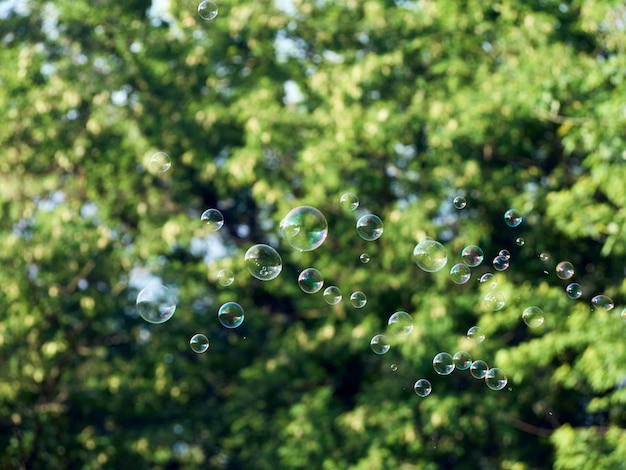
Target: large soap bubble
{"points": [[430, 255], [305, 228]]}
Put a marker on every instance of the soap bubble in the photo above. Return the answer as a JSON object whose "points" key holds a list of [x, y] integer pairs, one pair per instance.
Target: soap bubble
{"points": [[494, 301], [475, 333], [472, 255], [263, 262], [489, 278], [564, 270], [422, 388], [574, 290], [369, 227], [394, 367], [213, 218], [544, 257], [479, 369], [230, 315], [332, 295], [160, 162], [349, 202], [380, 344], [495, 379], [365, 258], [623, 314], [225, 277], [500, 263], [513, 217], [305, 228], [358, 299], [156, 304], [310, 280], [505, 254], [400, 324], [462, 360], [519, 241], [460, 273], [602, 302], [443, 363], [533, 316], [459, 202], [430, 255], [207, 10], [199, 343]]}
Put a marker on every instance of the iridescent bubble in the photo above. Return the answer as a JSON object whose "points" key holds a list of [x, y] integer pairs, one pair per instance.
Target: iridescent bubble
{"points": [[400, 324], [156, 303], [500, 263], [305, 228], [460, 273], [199, 343], [489, 278], [380, 344], [494, 301], [459, 202], [422, 388], [564, 270], [230, 315], [349, 202], [430, 255], [462, 360], [207, 10], [225, 277], [332, 295], [479, 369], [505, 254], [602, 302], [394, 367], [263, 262], [160, 162], [574, 290], [364, 258], [475, 333], [519, 241], [495, 379], [544, 257], [369, 227], [310, 280], [533, 316], [513, 217], [213, 218], [358, 299], [472, 255], [443, 363]]}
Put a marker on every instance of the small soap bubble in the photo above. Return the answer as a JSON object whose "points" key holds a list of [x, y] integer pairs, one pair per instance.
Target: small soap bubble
{"points": [[305, 228], [513, 217], [207, 10], [460, 273], [349, 202], [459, 202], [213, 218], [564, 270], [533, 316], [443, 363], [225, 277], [462, 360], [544, 257], [156, 304], [494, 301], [369, 227], [500, 263], [505, 254], [574, 290], [400, 324], [160, 162], [475, 333], [263, 262], [358, 299], [519, 241], [602, 302], [430, 255], [332, 295], [310, 280], [490, 279], [394, 367], [230, 315], [380, 344], [479, 369], [422, 388], [199, 343], [472, 255], [364, 258], [495, 379]]}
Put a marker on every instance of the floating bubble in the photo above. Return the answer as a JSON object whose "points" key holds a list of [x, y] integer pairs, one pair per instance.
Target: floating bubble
{"points": [[500, 263], [380, 344], [472, 255], [349, 202], [430, 255], [489, 278], [358, 299], [544, 257], [332, 295], [156, 304], [199, 343], [574, 290], [462, 360], [505, 254], [564, 270], [479, 369], [400, 324], [494, 301], [369, 227], [364, 258], [602, 302], [623, 314], [305, 228], [160, 162], [513, 217], [207, 10], [310, 280], [230, 315], [475, 333], [213, 218], [460, 273], [443, 363], [533, 316], [495, 379], [422, 388], [519, 241], [459, 202], [394, 367], [263, 262], [225, 277]]}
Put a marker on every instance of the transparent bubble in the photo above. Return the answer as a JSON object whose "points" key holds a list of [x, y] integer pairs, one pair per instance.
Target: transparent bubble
{"points": [[305, 228], [475, 333], [394, 367], [574, 290], [489, 278], [513, 217], [459, 202], [519, 241], [332, 295], [400, 324], [494, 301], [207, 10], [623, 314], [380, 344], [358, 299], [156, 304], [369, 227], [199, 343], [462, 360], [263, 262], [443, 363], [365, 258], [472, 255], [495, 379], [349, 202], [505, 254], [225, 277], [422, 388], [500, 263], [479, 369], [310, 280], [230, 315], [564, 270], [533, 316], [213, 218], [460, 273], [544, 257], [602, 302], [160, 162], [430, 255]]}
